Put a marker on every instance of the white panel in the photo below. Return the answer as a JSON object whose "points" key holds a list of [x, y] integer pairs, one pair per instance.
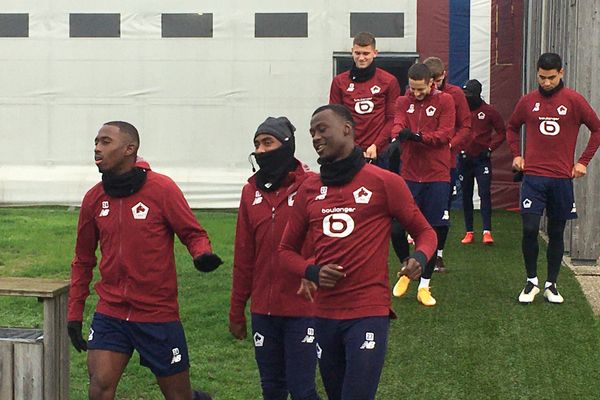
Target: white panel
{"points": [[195, 101], [480, 44]]}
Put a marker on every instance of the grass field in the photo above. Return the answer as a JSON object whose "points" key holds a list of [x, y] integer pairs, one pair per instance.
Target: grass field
{"points": [[478, 343]]}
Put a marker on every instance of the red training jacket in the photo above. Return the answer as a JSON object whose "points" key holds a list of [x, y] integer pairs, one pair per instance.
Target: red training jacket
{"points": [[551, 130], [462, 124], [488, 130], [371, 104], [434, 118], [350, 226], [138, 280], [258, 272]]}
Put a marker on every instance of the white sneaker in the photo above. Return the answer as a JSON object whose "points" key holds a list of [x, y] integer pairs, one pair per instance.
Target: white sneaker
{"points": [[551, 294], [528, 293]]}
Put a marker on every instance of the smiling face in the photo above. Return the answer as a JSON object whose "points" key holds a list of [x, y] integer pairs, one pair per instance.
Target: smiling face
{"points": [[420, 88], [114, 151], [332, 137], [363, 55]]}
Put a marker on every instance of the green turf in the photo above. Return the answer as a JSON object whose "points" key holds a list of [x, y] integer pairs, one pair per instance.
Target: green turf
{"points": [[477, 343]]}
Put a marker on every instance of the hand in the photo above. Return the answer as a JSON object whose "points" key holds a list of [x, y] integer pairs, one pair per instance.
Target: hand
{"points": [[371, 152], [579, 170], [307, 288], [238, 330], [485, 154], [330, 274], [405, 134], [518, 163], [207, 262], [411, 268], [74, 329]]}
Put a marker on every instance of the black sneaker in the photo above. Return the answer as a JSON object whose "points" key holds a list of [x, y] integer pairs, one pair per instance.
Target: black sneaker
{"points": [[440, 266], [528, 293], [200, 395]]}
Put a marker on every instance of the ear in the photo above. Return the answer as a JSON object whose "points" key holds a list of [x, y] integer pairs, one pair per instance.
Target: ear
{"points": [[130, 149], [375, 52]]}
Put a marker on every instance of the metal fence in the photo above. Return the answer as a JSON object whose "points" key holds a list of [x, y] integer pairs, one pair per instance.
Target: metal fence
{"points": [[571, 28]]}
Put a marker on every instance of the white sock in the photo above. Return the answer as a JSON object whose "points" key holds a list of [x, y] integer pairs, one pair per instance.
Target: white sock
{"points": [[424, 283], [547, 284], [486, 231], [440, 253], [533, 280]]}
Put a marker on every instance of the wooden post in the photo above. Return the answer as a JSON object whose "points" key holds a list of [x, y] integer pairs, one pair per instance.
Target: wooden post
{"points": [[37, 370]]}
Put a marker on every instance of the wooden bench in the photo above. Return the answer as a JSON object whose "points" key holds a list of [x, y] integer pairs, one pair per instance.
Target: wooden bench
{"points": [[34, 366]]}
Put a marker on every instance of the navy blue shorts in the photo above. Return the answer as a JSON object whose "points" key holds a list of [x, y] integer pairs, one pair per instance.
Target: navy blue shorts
{"points": [[553, 194], [161, 345], [432, 200]]}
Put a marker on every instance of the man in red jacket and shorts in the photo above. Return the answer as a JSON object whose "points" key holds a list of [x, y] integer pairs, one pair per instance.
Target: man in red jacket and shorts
{"points": [[133, 214]]}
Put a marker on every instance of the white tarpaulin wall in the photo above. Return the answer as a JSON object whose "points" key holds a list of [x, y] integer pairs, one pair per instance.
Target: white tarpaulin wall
{"points": [[195, 101]]}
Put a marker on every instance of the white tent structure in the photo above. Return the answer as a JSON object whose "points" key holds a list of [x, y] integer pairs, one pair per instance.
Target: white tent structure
{"points": [[195, 77]]}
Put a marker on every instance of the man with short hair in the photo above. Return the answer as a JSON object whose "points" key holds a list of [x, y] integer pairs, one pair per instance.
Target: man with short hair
{"points": [[282, 320], [488, 133], [424, 124], [552, 115], [133, 214], [369, 94], [460, 136], [346, 213]]}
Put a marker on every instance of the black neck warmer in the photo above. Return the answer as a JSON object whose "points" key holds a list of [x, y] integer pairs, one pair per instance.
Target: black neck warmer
{"points": [[274, 165], [340, 172], [548, 93], [474, 102], [362, 74], [125, 184]]}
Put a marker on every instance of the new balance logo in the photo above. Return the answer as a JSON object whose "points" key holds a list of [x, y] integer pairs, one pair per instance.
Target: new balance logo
{"points": [[319, 351], [369, 343], [446, 215], [176, 356], [257, 198], [574, 209], [310, 336], [91, 335]]}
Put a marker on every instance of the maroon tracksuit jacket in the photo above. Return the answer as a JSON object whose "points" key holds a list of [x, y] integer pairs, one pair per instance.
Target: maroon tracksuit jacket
{"points": [[488, 130]]}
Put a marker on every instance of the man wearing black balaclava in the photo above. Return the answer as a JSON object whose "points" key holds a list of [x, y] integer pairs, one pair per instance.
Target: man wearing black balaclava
{"points": [[282, 319], [474, 162]]}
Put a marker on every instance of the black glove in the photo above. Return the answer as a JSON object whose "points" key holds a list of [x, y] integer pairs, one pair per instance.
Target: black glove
{"points": [[518, 175], [74, 329], [207, 262], [406, 134], [485, 154]]}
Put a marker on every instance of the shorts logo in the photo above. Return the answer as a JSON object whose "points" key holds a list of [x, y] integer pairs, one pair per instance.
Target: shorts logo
{"points": [[486, 170], [323, 193], [527, 203], [176, 356], [536, 107], [319, 351], [259, 340], [105, 209], [375, 89], [310, 336], [362, 195], [430, 111], [257, 198], [369, 343], [446, 216], [481, 115], [140, 211], [338, 225], [549, 127], [364, 107], [291, 199], [411, 109], [350, 87], [91, 335], [574, 209], [562, 110], [454, 190], [461, 178]]}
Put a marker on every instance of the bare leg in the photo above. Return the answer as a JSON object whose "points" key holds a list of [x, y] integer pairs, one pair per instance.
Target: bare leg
{"points": [[176, 387], [105, 369]]}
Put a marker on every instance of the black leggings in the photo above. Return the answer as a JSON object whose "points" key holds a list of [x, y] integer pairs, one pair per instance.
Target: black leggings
{"points": [[400, 245], [530, 246]]}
